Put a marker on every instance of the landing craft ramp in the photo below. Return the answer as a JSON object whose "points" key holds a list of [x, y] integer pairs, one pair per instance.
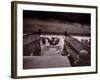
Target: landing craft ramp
{"points": [[52, 59]]}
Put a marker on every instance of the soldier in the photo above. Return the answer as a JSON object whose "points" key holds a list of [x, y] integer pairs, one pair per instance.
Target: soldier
{"points": [[82, 59]]}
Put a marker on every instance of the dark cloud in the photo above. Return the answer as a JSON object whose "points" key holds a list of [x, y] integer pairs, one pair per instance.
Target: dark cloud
{"points": [[82, 18]]}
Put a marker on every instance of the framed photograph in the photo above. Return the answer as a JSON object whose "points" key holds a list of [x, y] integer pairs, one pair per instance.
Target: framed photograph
{"points": [[53, 39]]}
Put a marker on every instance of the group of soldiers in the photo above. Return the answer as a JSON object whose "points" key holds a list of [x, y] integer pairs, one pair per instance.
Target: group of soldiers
{"points": [[86, 41], [52, 41]]}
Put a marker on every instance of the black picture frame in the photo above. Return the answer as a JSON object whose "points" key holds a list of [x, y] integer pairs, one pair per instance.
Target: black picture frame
{"points": [[14, 35]]}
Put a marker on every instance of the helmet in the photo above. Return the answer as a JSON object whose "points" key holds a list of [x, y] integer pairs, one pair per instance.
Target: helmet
{"points": [[83, 54]]}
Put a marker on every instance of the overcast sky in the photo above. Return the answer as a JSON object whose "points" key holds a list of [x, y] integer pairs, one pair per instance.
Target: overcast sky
{"points": [[81, 18]]}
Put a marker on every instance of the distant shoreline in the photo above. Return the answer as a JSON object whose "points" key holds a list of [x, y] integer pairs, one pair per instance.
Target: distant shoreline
{"points": [[58, 33]]}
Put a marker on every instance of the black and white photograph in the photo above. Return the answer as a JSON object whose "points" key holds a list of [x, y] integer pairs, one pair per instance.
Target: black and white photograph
{"points": [[53, 39], [56, 39]]}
